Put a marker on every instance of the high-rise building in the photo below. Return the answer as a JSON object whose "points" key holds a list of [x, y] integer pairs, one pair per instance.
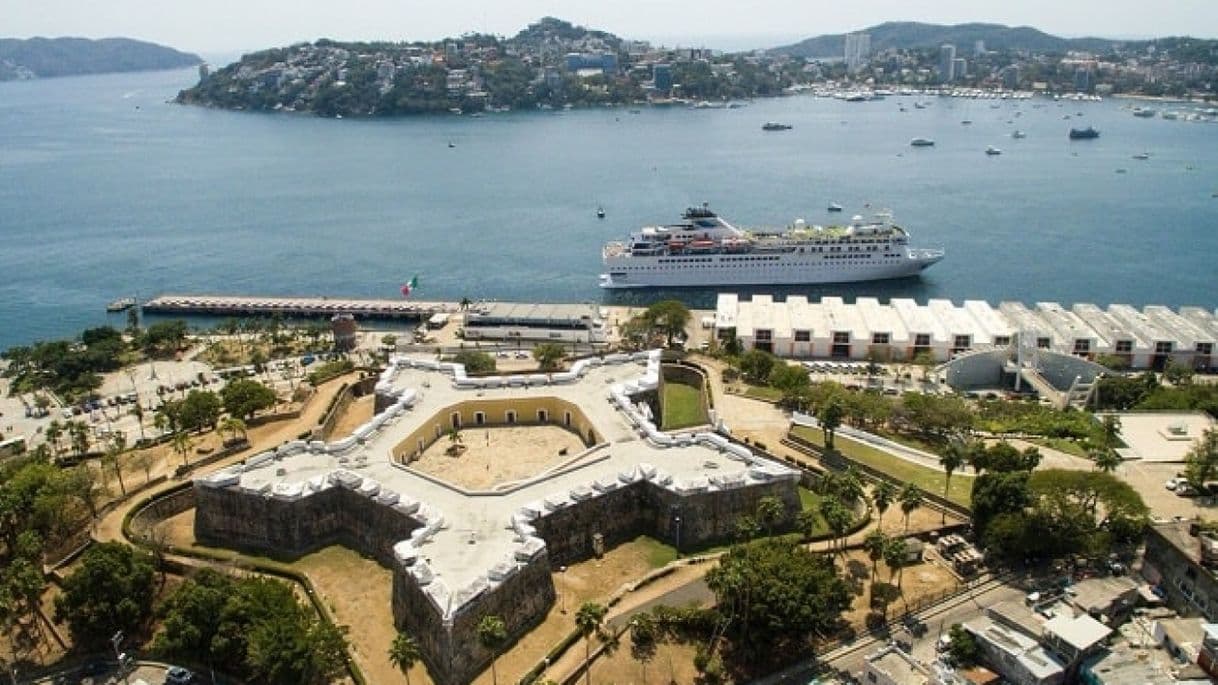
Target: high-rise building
{"points": [[858, 51], [1082, 80], [662, 76], [959, 68], [1010, 77], [947, 63], [978, 48]]}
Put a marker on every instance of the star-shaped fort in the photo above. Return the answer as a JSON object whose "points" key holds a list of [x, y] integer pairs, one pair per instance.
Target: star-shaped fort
{"points": [[457, 553]]}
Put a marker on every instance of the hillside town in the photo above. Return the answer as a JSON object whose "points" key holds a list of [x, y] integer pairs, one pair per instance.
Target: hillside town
{"points": [[553, 64]]}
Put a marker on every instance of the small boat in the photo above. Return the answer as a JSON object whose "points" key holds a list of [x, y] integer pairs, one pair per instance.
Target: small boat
{"points": [[1144, 112], [1120, 171], [775, 126], [1084, 133], [600, 212], [991, 150], [1019, 134], [922, 142], [452, 144], [966, 122], [834, 207], [700, 245], [1142, 155], [121, 304]]}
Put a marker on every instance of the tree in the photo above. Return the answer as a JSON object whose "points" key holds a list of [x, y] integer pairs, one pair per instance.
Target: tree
{"points": [[243, 398], [875, 543], [1110, 426], [883, 594], [882, 496], [1106, 459], [110, 590], [1177, 373], [963, 647], [589, 620], [774, 593], [200, 409], [955, 454], [181, 444], [910, 499], [837, 516], [79, 432], [54, 432], [791, 380], [1201, 463], [894, 558], [756, 365], [475, 362], [670, 317], [548, 355], [114, 450], [492, 635], [404, 654], [644, 640], [830, 417], [234, 426], [769, 512]]}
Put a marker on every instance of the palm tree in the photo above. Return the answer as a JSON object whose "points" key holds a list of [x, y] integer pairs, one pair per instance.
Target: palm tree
{"points": [[54, 432], [492, 633], [830, 417], [643, 640], [875, 543], [232, 425], [953, 457], [883, 495], [769, 512], [182, 445], [404, 653], [894, 557], [837, 516], [910, 499], [1111, 426], [589, 619], [1106, 459], [116, 447], [79, 432]]}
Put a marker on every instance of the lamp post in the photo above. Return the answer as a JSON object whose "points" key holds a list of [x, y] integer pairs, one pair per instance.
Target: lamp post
{"points": [[676, 519]]}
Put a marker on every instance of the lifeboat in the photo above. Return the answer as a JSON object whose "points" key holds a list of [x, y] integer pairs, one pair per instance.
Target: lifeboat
{"points": [[702, 245]]}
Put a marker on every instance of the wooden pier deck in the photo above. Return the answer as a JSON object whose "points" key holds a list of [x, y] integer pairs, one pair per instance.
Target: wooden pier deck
{"points": [[234, 305]]}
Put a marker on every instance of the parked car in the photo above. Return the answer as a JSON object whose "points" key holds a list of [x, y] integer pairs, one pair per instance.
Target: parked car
{"points": [[1171, 483], [176, 675]]}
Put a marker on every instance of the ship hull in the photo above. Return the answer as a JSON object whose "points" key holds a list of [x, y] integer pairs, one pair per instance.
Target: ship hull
{"points": [[641, 272]]}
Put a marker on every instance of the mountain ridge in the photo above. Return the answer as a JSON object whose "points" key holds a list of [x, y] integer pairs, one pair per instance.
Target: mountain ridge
{"points": [[906, 35], [39, 57]]}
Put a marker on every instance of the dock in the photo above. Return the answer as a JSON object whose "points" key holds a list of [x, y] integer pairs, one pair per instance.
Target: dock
{"points": [[234, 305]]}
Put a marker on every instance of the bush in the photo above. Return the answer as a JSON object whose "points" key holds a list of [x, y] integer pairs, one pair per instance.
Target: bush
{"points": [[475, 362], [330, 370]]}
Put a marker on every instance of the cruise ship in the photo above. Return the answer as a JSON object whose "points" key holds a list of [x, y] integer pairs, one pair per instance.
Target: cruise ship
{"points": [[705, 250]]}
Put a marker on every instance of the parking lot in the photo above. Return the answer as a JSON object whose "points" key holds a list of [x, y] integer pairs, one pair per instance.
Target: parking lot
{"points": [[1149, 479]]}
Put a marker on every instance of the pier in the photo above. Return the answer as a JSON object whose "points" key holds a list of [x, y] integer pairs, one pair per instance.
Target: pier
{"points": [[233, 305]]}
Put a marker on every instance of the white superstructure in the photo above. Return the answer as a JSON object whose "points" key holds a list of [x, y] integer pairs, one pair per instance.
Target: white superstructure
{"points": [[706, 250]]}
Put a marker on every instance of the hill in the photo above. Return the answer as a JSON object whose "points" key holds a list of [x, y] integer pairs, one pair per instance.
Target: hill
{"points": [[906, 35], [48, 57]]}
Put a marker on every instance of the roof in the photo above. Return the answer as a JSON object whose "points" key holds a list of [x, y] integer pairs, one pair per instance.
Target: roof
{"points": [[1113, 329], [1068, 325], [1098, 594], [1080, 632], [1026, 651], [517, 311], [882, 318], [1125, 666], [899, 666]]}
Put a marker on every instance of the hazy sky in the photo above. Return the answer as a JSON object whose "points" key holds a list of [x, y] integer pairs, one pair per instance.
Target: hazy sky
{"points": [[233, 25]]}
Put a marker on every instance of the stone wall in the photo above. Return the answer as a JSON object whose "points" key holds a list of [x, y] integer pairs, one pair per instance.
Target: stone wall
{"points": [[228, 517], [687, 521], [451, 649]]}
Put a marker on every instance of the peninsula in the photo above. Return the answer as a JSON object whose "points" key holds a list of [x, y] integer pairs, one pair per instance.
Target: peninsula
{"points": [[48, 57]]}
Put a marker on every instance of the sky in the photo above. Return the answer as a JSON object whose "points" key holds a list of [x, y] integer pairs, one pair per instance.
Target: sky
{"points": [[219, 26]]}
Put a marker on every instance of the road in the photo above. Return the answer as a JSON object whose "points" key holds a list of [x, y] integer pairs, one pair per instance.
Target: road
{"points": [[849, 659]]}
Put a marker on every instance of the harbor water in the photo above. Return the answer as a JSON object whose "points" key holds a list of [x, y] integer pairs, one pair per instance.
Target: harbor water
{"points": [[108, 191]]}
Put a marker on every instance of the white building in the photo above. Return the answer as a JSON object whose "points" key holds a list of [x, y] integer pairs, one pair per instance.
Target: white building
{"points": [[902, 329], [858, 51]]}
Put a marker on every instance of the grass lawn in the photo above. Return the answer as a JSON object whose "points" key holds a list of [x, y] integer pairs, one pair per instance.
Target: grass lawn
{"points": [[928, 479], [1062, 445], [762, 392], [682, 406], [811, 502], [658, 554]]}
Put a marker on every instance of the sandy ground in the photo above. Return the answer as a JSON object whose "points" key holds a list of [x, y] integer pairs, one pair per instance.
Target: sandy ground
{"points": [[358, 591], [926, 579], [499, 454], [355, 415]]}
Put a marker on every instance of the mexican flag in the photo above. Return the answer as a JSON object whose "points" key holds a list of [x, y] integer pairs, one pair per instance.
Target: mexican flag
{"points": [[410, 287]]}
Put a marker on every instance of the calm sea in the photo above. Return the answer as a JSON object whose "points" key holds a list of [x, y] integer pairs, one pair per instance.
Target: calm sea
{"points": [[107, 191]]}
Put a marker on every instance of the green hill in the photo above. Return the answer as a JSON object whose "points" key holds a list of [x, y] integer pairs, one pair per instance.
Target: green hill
{"points": [[48, 57], [906, 35]]}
